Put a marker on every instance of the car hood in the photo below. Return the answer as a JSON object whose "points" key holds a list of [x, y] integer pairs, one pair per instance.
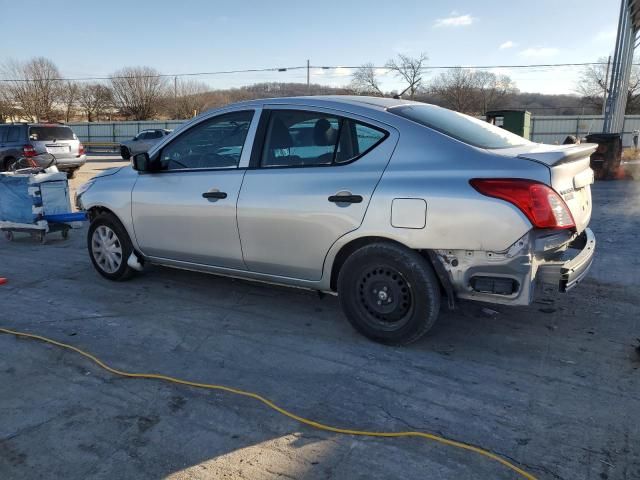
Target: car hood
{"points": [[110, 171]]}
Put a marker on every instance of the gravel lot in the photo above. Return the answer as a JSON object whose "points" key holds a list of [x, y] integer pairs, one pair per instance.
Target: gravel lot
{"points": [[554, 387]]}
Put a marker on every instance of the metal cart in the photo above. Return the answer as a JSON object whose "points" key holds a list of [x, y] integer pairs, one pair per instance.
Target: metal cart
{"points": [[37, 202]]}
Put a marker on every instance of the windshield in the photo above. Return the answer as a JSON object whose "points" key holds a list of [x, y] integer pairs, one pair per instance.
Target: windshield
{"points": [[460, 126], [48, 134]]}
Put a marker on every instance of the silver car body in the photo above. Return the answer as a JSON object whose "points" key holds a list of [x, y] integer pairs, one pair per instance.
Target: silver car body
{"points": [[56, 139], [277, 226], [144, 140]]}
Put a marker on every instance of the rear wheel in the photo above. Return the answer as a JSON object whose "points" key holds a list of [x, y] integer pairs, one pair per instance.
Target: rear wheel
{"points": [[71, 173], [125, 153], [389, 293], [110, 247]]}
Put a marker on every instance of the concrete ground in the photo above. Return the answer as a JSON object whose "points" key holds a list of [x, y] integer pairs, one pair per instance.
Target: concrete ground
{"points": [[553, 387]]}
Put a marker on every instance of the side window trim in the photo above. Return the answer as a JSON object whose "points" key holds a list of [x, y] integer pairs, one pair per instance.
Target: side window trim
{"points": [[258, 146], [246, 152]]}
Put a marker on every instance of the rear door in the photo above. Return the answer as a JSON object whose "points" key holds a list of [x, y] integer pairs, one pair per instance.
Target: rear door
{"points": [[311, 180], [187, 211]]}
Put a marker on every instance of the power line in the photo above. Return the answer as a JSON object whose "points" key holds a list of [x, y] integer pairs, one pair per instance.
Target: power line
{"points": [[161, 75], [304, 67]]}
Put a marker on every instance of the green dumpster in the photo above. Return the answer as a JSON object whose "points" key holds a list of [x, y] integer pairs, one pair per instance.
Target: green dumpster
{"points": [[515, 121]]}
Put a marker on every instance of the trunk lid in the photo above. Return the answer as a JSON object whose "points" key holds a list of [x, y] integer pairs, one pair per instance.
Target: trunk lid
{"points": [[570, 174]]}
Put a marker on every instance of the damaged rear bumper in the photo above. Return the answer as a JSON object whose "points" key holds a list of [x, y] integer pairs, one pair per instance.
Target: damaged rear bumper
{"points": [[539, 263], [569, 270]]}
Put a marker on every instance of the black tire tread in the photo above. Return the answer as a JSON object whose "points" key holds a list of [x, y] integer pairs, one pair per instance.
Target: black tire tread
{"points": [[416, 268]]}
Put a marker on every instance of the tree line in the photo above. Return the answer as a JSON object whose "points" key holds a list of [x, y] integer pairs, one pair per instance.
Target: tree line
{"points": [[34, 90]]}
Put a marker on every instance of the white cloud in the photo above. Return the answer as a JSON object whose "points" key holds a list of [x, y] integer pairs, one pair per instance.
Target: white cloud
{"points": [[507, 44], [539, 52], [455, 20]]}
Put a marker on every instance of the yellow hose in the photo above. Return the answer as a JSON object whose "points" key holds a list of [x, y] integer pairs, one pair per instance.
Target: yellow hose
{"points": [[270, 404]]}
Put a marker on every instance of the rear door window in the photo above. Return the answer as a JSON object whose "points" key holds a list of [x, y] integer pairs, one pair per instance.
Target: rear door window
{"points": [[49, 134], [460, 126], [13, 134], [297, 138]]}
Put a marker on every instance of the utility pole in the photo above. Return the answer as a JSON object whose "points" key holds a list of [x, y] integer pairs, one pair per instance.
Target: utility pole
{"points": [[606, 82], [308, 76]]}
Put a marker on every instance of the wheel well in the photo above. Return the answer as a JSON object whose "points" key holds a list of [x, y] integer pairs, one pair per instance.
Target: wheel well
{"points": [[354, 245], [93, 212]]}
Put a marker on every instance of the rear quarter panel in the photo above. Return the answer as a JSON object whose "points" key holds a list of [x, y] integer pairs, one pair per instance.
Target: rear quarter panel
{"points": [[431, 166]]}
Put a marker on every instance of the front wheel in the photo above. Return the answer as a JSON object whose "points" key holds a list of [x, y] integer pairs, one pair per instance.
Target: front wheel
{"points": [[389, 293], [110, 247]]}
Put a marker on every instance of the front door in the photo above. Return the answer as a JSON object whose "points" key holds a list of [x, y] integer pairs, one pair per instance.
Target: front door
{"points": [[187, 210], [312, 184]]}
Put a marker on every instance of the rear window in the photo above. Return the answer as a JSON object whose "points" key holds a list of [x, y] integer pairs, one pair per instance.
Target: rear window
{"points": [[48, 134], [460, 126]]}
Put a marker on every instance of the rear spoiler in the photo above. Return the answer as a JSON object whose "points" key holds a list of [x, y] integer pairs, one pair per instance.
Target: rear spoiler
{"points": [[563, 154]]}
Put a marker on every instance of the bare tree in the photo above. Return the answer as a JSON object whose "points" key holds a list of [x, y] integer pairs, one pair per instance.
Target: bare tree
{"points": [[409, 69], [593, 84], [364, 81], [34, 87], [69, 92], [138, 91], [7, 109], [94, 98], [188, 98], [471, 91], [456, 89], [492, 89]]}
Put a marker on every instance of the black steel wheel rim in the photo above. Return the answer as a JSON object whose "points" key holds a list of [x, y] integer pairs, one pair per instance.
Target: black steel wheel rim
{"points": [[384, 297]]}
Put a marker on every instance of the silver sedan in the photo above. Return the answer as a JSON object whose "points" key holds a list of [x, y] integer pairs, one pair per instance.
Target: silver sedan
{"points": [[392, 205]]}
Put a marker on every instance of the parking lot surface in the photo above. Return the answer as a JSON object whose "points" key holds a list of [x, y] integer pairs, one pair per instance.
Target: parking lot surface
{"points": [[554, 387]]}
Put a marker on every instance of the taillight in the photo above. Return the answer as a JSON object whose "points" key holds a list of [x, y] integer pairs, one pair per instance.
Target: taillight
{"points": [[28, 151], [81, 149], [541, 204]]}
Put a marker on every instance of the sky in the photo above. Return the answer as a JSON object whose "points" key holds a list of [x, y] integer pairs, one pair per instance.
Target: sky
{"points": [[96, 38]]}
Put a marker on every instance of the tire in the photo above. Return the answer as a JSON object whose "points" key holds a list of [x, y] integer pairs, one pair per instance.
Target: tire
{"points": [[125, 153], [409, 306], [109, 247], [71, 173], [6, 164]]}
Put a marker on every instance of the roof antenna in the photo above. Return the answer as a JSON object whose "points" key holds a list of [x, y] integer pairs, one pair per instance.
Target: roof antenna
{"points": [[399, 95]]}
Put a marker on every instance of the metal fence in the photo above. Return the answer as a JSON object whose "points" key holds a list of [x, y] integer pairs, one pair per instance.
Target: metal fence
{"points": [[544, 129], [554, 129], [116, 132]]}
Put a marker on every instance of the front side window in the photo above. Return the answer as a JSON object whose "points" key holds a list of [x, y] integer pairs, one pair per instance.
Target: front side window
{"points": [[301, 138], [460, 126], [155, 134], [214, 143]]}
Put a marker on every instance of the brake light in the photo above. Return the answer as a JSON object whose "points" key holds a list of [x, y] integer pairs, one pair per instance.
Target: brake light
{"points": [[541, 204], [81, 149], [28, 151]]}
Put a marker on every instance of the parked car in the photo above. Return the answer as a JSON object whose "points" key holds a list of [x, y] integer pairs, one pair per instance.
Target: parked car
{"points": [[391, 204], [142, 142], [32, 140]]}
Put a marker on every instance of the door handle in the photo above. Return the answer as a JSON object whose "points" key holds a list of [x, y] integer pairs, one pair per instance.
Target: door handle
{"points": [[345, 198], [214, 195]]}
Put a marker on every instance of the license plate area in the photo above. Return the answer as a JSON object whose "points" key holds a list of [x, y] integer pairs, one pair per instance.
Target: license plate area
{"points": [[58, 149]]}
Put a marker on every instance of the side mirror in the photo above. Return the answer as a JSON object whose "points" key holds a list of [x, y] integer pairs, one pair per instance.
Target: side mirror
{"points": [[141, 162]]}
